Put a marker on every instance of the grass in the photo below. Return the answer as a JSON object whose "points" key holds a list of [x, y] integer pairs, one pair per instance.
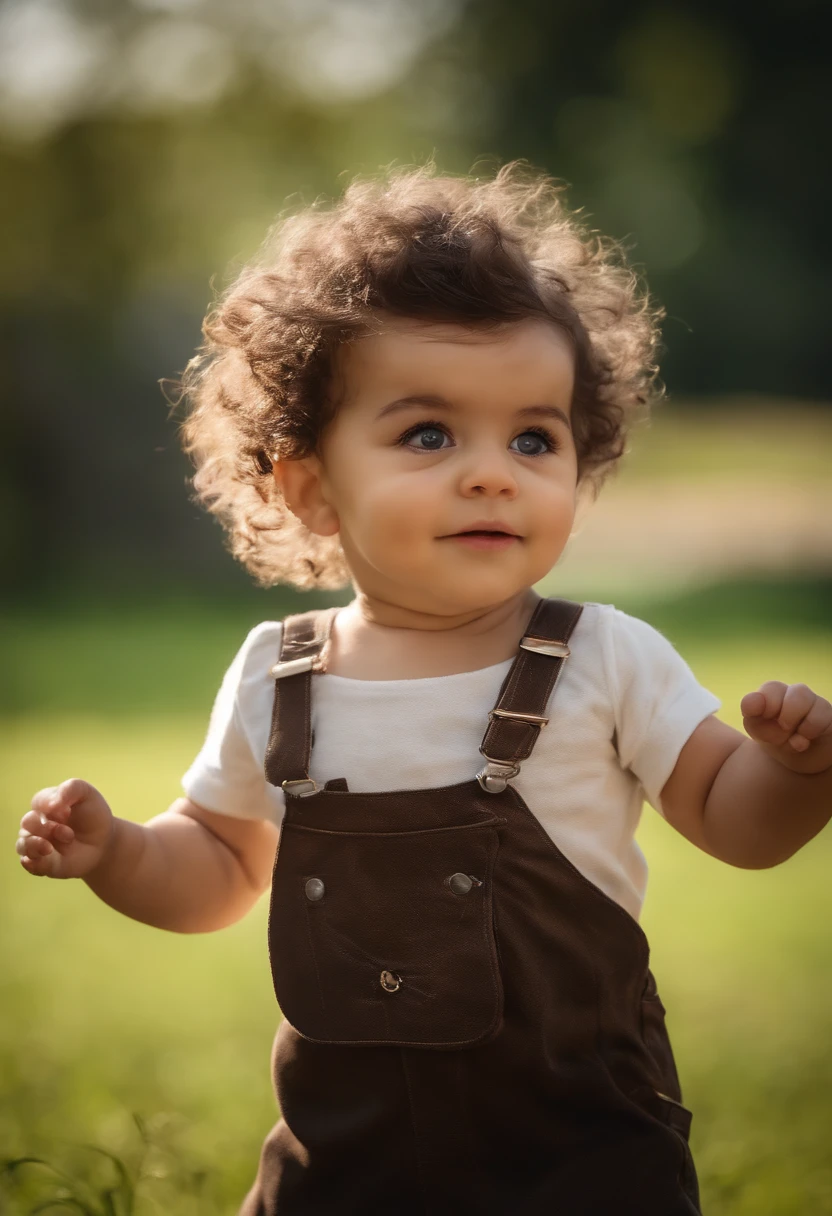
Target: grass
{"points": [[136, 1062], [106, 1018], [763, 441]]}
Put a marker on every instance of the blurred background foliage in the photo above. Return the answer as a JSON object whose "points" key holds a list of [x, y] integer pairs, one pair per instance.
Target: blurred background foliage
{"points": [[145, 148]]}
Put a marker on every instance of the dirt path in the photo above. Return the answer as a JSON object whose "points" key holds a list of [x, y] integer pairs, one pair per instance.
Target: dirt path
{"points": [[691, 533]]}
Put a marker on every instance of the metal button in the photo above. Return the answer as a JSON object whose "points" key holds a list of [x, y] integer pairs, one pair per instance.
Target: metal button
{"points": [[314, 889], [390, 982], [460, 884]]}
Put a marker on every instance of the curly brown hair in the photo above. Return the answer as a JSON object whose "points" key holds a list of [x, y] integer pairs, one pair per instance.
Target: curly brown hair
{"points": [[412, 244]]}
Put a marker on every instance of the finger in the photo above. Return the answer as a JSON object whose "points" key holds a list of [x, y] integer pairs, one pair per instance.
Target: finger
{"points": [[28, 845], [36, 823], [772, 693], [45, 799], [797, 702], [41, 865], [817, 721], [33, 867], [38, 852], [49, 829], [753, 704], [59, 799], [765, 730], [48, 804]]}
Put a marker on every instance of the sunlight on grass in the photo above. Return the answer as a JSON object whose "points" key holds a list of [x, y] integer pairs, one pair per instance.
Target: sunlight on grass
{"points": [[106, 1018], [779, 442]]}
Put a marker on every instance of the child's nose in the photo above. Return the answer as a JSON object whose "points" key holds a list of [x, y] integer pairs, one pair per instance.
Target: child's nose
{"points": [[488, 470]]}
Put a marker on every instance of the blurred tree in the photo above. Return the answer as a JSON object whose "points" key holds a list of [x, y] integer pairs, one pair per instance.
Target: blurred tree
{"points": [[692, 132], [145, 148]]}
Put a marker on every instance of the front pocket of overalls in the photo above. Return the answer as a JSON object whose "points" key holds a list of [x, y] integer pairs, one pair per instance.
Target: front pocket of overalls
{"points": [[371, 942]]}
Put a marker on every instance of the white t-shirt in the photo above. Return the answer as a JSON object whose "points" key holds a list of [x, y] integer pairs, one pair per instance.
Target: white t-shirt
{"points": [[621, 711]]}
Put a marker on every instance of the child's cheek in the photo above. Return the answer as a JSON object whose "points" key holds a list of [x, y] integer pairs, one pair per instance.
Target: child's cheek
{"points": [[552, 533]]}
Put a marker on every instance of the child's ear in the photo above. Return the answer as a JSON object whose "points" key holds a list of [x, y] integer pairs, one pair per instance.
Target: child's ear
{"points": [[299, 481]]}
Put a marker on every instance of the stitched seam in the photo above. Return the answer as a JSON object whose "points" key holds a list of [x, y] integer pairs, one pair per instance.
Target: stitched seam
{"points": [[454, 827]]}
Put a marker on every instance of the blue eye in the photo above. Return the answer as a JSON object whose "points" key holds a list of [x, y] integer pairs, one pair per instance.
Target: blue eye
{"points": [[542, 436], [433, 431], [429, 437]]}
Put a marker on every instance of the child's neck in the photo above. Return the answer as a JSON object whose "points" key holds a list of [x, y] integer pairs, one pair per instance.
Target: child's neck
{"points": [[373, 640]]}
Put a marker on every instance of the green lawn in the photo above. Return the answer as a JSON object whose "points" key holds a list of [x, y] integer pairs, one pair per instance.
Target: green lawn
{"points": [[112, 1029], [773, 441]]}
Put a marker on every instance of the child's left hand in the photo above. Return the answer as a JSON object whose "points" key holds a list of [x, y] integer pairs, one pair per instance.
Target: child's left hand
{"points": [[792, 723]]}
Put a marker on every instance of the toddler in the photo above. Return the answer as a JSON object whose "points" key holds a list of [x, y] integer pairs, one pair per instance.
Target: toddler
{"points": [[413, 390]]}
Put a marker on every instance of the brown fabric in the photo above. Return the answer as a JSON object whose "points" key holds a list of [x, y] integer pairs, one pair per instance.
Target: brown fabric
{"points": [[529, 683], [290, 738], [497, 1049], [440, 944]]}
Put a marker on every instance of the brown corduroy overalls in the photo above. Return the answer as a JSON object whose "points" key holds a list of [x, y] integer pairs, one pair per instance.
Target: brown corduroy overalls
{"points": [[470, 1025]]}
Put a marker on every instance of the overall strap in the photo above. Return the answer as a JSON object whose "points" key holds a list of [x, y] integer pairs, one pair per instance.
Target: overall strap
{"points": [[290, 739], [518, 717]]}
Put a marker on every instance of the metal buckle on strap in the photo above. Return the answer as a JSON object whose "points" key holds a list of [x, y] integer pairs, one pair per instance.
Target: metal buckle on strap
{"points": [[557, 650], [535, 719], [293, 667], [301, 788], [496, 774]]}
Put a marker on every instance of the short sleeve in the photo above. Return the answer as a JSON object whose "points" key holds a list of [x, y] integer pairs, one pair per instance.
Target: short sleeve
{"points": [[657, 699], [225, 776]]}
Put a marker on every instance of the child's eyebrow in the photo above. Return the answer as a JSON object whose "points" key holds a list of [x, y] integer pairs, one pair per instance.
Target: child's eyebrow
{"points": [[434, 401]]}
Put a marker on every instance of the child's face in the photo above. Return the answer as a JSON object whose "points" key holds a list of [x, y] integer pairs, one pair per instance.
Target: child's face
{"points": [[432, 439]]}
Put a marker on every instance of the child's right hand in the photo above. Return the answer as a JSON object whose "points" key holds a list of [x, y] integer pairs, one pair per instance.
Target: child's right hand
{"points": [[67, 831]]}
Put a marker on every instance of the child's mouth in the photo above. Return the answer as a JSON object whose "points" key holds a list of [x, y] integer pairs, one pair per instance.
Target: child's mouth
{"points": [[485, 540]]}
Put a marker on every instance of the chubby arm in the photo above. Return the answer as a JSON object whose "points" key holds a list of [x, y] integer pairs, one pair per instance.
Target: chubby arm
{"points": [[189, 869], [753, 802]]}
